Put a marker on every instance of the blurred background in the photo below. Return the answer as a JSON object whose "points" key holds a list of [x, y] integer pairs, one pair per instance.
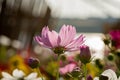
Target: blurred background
{"points": [[21, 20]]}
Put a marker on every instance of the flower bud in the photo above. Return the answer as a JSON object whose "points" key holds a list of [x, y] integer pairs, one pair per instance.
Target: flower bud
{"points": [[111, 57], [33, 62], [118, 52], [89, 77], [106, 41], [85, 54], [63, 57]]}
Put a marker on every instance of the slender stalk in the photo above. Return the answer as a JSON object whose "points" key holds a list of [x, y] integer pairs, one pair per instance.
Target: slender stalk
{"points": [[85, 71], [73, 78], [39, 73], [57, 75], [70, 75], [110, 48]]}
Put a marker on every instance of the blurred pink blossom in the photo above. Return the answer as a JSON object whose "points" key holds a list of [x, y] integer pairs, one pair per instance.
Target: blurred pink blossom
{"points": [[69, 59], [67, 68], [115, 36], [63, 41]]}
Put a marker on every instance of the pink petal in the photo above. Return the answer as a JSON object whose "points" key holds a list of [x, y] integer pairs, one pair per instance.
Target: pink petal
{"points": [[44, 37], [53, 38], [38, 39], [67, 34], [47, 42], [67, 68], [76, 43], [44, 32], [71, 67], [63, 70], [43, 42]]}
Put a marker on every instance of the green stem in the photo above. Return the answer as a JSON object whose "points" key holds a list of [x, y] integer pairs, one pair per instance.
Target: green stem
{"points": [[39, 73], [70, 75], [85, 71], [74, 78], [57, 75]]}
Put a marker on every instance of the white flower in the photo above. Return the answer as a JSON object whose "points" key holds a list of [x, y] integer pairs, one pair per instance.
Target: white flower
{"points": [[32, 76], [110, 74], [20, 75], [119, 78]]}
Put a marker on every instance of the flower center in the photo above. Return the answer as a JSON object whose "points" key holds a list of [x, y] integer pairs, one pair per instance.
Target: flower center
{"points": [[15, 63], [59, 50], [21, 79]]}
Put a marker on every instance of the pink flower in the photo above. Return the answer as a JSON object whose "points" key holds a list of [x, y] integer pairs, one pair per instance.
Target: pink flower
{"points": [[59, 42], [115, 36], [68, 68], [68, 60]]}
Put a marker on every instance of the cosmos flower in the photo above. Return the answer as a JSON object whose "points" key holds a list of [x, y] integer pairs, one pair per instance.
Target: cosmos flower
{"points": [[115, 36], [59, 42], [67, 68], [107, 75], [20, 75]]}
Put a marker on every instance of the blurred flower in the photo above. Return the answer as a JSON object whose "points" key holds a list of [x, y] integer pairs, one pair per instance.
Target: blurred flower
{"points": [[67, 60], [106, 41], [64, 41], [119, 78], [17, 61], [70, 65], [85, 54], [4, 40], [115, 36], [33, 62], [19, 75], [107, 75], [67, 68], [111, 57]]}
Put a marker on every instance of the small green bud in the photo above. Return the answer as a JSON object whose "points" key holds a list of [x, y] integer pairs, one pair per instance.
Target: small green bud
{"points": [[63, 57], [106, 41], [110, 57]]}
